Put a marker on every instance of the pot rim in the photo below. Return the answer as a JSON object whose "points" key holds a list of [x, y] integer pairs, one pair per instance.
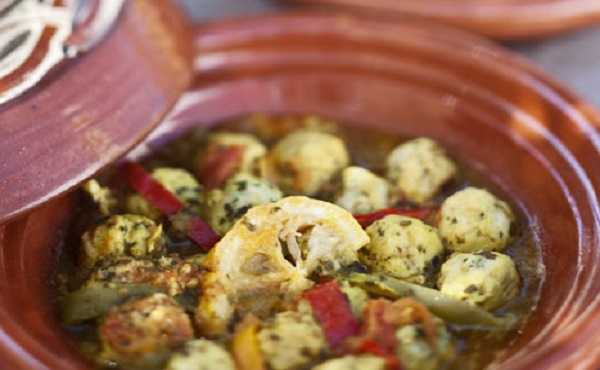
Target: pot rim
{"points": [[223, 35], [514, 20]]}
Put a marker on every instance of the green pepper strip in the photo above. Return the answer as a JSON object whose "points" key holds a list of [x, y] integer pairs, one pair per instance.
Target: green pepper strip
{"points": [[443, 306], [94, 300]]}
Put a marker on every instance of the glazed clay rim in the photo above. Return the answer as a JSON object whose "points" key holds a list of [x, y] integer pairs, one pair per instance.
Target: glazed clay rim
{"points": [[255, 55], [502, 19]]}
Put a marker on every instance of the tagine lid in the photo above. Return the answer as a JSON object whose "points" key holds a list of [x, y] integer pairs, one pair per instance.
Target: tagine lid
{"points": [[500, 19], [81, 82]]}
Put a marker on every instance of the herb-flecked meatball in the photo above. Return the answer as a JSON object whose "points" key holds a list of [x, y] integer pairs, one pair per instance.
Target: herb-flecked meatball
{"points": [[240, 193], [486, 279], [362, 191], [201, 354], [141, 332], [402, 247], [418, 169], [365, 362], [254, 150], [181, 183], [473, 220], [122, 235], [303, 161], [418, 354], [292, 340]]}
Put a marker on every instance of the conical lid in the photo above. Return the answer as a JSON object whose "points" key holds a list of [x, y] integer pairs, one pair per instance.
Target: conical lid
{"points": [[81, 82]]}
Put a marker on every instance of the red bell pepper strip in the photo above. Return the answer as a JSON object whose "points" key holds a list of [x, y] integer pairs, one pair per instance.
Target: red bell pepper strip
{"points": [[372, 347], [151, 190], [377, 328], [202, 234], [381, 320], [332, 309], [377, 335], [218, 164], [367, 219], [160, 197]]}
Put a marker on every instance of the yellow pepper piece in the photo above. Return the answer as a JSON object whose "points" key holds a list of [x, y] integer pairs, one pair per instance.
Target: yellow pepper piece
{"points": [[245, 347]]}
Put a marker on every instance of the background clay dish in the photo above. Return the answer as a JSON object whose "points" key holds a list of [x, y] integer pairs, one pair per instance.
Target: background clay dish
{"points": [[92, 109], [501, 19], [535, 141]]}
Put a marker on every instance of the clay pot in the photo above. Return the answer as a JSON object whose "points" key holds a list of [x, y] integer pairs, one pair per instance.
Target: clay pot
{"points": [[500, 19], [531, 138]]}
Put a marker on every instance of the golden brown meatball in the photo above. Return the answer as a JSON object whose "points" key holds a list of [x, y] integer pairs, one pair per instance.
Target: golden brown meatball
{"points": [[143, 331]]}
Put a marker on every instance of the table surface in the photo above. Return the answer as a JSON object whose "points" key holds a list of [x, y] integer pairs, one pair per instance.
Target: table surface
{"points": [[573, 58]]}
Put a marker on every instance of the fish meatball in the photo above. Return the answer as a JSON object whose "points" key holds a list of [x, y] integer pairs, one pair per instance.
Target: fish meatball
{"points": [[366, 362], [122, 235], [141, 332], [181, 183], [303, 161], [402, 247], [486, 279], [473, 220], [201, 354], [362, 191], [418, 354], [418, 169], [253, 154], [241, 193], [292, 340]]}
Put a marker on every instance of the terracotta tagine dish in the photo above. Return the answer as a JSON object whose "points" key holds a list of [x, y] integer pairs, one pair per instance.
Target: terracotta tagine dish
{"points": [[153, 80], [499, 19]]}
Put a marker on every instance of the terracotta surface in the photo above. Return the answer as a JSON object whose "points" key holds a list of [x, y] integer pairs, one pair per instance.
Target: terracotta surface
{"points": [[533, 139], [502, 19], [91, 109]]}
